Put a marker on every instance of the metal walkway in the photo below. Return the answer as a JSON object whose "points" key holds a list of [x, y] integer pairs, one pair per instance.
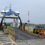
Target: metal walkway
{"points": [[5, 40]]}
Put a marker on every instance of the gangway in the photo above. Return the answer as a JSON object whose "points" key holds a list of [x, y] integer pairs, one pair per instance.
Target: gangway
{"points": [[6, 38]]}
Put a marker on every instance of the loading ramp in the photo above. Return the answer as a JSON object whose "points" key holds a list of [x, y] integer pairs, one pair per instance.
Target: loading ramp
{"points": [[5, 39]]}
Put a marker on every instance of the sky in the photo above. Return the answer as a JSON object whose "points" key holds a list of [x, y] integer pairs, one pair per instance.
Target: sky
{"points": [[36, 9]]}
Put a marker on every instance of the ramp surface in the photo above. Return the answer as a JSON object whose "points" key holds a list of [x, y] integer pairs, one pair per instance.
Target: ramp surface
{"points": [[4, 39]]}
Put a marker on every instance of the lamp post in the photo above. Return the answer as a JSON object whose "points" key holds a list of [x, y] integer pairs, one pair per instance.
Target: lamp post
{"points": [[28, 20]]}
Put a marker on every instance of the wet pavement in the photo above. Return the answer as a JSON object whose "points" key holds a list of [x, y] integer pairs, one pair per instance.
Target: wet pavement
{"points": [[23, 38], [20, 35]]}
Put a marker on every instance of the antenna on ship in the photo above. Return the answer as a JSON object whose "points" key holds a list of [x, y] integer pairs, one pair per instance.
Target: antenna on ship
{"points": [[10, 5]]}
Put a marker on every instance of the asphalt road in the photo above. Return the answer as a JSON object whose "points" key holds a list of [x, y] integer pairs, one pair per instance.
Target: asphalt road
{"points": [[24, 36]]}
